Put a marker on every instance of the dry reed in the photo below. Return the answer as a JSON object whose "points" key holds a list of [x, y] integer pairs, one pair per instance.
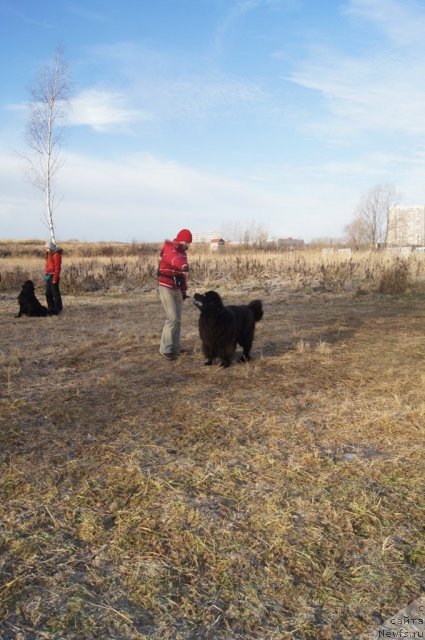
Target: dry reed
{"points": [[126, 268]]}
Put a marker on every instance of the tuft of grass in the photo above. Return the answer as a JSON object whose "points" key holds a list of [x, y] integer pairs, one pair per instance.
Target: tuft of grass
{"points": [[395, 279]]}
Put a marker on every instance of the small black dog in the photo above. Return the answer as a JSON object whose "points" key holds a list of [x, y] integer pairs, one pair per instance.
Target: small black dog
{"points": [[28, 303], [222, 327]]}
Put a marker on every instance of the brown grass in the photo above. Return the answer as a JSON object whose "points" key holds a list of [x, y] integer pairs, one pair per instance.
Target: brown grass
{"points": [[147, 499]]}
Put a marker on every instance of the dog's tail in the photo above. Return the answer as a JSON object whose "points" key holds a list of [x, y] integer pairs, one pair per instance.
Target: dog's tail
{"points": [[257, 309]]}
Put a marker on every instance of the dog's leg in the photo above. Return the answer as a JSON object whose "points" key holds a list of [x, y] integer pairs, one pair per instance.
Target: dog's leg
{"points": [[246, 344], [226, 356], [246, 350], [209, 354], [209, 358]]}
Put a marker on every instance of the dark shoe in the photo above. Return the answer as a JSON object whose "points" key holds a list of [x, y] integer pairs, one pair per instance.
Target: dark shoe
{"points": [[183, 352], [168, 356]]}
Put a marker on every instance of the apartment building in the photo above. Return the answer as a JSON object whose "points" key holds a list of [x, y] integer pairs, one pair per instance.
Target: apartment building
{"points": [[205, 236], [406, 226]]}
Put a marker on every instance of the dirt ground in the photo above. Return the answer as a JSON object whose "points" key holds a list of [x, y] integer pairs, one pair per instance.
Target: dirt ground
{"points": [[146, 499]]}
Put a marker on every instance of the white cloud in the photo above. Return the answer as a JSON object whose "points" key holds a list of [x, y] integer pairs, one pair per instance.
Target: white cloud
{"points": [[403, 23], [379, 90], [197, 97], [381, 93], [104, 111], [175, 86], [144, 198], [174, 90], [237, 10]]}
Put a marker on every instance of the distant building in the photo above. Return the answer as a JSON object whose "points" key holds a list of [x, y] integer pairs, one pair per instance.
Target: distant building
{"points": [[406, 226], [217, 244], [205, 236], [290, 243]]}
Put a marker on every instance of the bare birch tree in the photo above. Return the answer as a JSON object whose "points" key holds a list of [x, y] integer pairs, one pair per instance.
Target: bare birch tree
{"points": [[45, 131], [370, 224]]}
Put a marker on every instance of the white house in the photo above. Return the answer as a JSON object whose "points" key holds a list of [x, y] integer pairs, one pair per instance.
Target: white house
{"points": [[217, 244]]}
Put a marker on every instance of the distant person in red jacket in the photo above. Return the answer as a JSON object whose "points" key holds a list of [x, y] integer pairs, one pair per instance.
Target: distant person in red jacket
{"points": [[172, 280], [52, 277]]}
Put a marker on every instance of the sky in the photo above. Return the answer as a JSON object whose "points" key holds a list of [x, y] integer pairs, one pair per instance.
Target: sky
{"points": [[214, 115]]}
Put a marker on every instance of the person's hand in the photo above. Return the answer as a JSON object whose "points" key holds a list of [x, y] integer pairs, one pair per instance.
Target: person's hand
{"points": [[185, 268]]}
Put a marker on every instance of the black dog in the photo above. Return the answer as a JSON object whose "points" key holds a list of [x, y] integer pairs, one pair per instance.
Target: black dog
{"points": [[222, 327], [28, 303]]}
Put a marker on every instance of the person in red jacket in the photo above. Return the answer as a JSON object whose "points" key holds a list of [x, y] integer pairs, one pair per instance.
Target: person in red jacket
{"points": [[52, 277], [172, 280]]}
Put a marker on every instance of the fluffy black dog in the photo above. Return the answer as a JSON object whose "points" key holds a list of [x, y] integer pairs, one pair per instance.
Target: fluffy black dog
{"points": [[28, 303], [222, 327]]}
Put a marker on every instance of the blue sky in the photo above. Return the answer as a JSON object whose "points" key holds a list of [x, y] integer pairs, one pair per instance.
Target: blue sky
{"points": [[216, 114]]}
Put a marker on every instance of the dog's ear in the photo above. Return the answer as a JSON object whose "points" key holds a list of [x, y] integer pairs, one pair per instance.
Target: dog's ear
{"points": [[212, 297]]}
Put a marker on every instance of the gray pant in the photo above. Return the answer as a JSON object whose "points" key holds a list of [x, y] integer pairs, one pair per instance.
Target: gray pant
{"points": [[172, 303]]}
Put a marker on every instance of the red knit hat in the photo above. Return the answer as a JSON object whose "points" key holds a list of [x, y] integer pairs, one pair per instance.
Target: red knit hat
{"points": [[184, 236]]}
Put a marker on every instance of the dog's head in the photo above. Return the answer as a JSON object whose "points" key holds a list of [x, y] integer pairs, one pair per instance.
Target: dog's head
{"points": [[209, 300], [28, 286], [198, 300]]}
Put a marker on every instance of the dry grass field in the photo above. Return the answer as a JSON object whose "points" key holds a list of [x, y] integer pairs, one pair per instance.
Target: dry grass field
{"points": [[145, 499]]}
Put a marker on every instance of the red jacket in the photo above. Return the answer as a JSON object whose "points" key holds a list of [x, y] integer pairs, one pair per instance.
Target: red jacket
{"points": [[53, 264], [173, 266]]}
